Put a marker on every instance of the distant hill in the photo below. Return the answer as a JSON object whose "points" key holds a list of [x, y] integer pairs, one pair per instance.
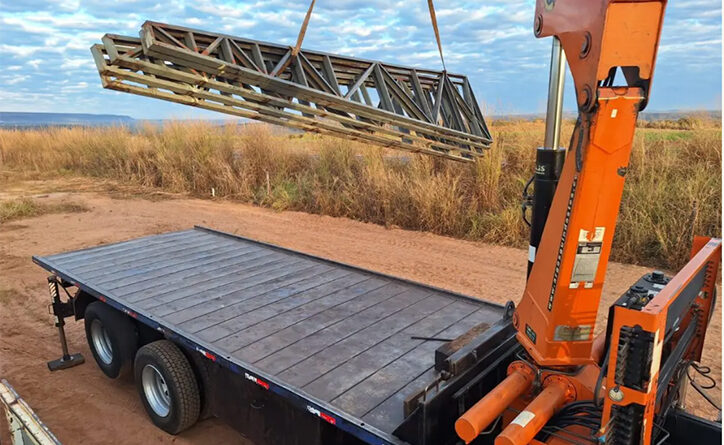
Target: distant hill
{"points": [[646, 115], [22, 119], [675, 115]]}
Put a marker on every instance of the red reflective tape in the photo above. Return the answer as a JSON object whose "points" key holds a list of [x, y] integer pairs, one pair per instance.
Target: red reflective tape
{"points": [[318, 413], [328, 418], [256, 380], [210, 356], [102, 298]]}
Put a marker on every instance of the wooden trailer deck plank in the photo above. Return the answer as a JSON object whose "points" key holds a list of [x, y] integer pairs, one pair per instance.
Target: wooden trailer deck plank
{"points": [[147, 257], [333, 333], [236, 302], [270, 291], [389, 381], [353, 371], [258, 263]]}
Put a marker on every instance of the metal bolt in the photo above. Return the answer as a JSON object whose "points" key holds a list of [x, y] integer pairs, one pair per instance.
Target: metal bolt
{"points": [[586, 45], [615, 394], [587, 102], [538, 25]]}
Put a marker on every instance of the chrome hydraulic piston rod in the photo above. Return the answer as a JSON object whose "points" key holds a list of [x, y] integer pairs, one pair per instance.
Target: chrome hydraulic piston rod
{"points": [[549, 157]]}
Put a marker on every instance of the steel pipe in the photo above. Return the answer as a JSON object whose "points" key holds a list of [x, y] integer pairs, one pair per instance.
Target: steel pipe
{"points": [[529, 422], [482, 414]]}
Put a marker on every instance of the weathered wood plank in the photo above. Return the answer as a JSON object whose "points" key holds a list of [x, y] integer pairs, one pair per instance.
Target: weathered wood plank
{"points": [[233, 324], [390, 379], [119, 254], [95, 252], [169, 266], [285, 298], [302, 278], [388, 414], [260, 270], [319, 81], [189, 283], [336, 315], [128, 268], [356, 369], [436, 106], [317, 303], [340, 352], [304, 346], [190, 41], [173, 275], [402, 97], [145, 257]]}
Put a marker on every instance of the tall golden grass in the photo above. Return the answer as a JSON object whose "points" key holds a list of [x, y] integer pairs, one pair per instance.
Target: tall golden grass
{"points": [[673, 187]]}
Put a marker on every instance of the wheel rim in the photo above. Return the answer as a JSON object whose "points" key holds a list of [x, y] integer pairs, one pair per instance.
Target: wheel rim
{"points": [[156, 390], [101, 342]]}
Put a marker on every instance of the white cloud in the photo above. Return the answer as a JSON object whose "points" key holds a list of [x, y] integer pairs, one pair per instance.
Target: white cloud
{"points": [[74, 88], [15, 79], [20, 50], [77, 62], [492, 43]]}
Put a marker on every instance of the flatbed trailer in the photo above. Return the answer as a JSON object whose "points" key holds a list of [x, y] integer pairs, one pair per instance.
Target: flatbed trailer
{"points": [[296, 348]]}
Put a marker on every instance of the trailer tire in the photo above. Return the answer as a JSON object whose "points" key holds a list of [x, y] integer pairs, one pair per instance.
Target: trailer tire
{"points": [[201, 367], [167, 386], [112, 338]]}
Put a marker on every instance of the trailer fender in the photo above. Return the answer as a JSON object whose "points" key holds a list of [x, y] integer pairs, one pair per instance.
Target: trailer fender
{"points": [[80, 301]]}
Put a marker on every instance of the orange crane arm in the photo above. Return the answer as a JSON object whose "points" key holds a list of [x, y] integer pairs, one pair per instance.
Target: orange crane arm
{"points": [[556, 316]]}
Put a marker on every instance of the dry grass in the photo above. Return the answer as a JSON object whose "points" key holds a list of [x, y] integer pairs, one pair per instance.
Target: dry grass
{"points": [[27, 208], [673, 188]]}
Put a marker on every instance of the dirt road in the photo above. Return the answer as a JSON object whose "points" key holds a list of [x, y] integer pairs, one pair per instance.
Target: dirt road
{"points": [[81, 406]]}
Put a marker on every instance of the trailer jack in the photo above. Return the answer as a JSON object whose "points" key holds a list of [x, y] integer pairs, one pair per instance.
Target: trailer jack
{"points": [[60, 311]]}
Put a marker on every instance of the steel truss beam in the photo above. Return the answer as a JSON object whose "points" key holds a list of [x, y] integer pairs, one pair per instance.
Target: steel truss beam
{"points": [[389, 105]]}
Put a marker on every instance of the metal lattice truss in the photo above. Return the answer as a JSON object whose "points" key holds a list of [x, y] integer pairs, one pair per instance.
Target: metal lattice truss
{"points": [[393, 106]]}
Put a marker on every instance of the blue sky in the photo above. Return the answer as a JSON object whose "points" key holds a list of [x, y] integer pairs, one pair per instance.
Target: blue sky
{"points": [[45, 64]]}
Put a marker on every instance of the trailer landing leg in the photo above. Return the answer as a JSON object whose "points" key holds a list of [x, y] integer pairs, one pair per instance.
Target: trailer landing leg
{"points": [[60, 311]]}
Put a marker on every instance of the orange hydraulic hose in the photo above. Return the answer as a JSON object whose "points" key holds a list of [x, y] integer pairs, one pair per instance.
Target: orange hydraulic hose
{"points": [[527, 424], [476, 419]]}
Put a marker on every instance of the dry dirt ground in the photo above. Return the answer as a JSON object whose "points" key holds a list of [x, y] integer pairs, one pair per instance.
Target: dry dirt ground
{"points": [[81, 406]]}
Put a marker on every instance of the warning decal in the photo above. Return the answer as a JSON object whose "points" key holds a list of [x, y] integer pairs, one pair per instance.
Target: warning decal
{"points": [[588, 255]]}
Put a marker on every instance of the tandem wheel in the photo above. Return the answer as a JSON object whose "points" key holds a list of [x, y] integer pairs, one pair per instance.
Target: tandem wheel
{"points": [[112, 338], [167, 385]]}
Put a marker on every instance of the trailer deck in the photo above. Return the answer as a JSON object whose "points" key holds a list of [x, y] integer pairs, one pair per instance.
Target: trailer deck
{"points": [[339, 341]]}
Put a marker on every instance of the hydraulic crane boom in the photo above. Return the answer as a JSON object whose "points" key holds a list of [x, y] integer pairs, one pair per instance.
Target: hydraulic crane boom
{"points": [[655, 330], [556, 317]]}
